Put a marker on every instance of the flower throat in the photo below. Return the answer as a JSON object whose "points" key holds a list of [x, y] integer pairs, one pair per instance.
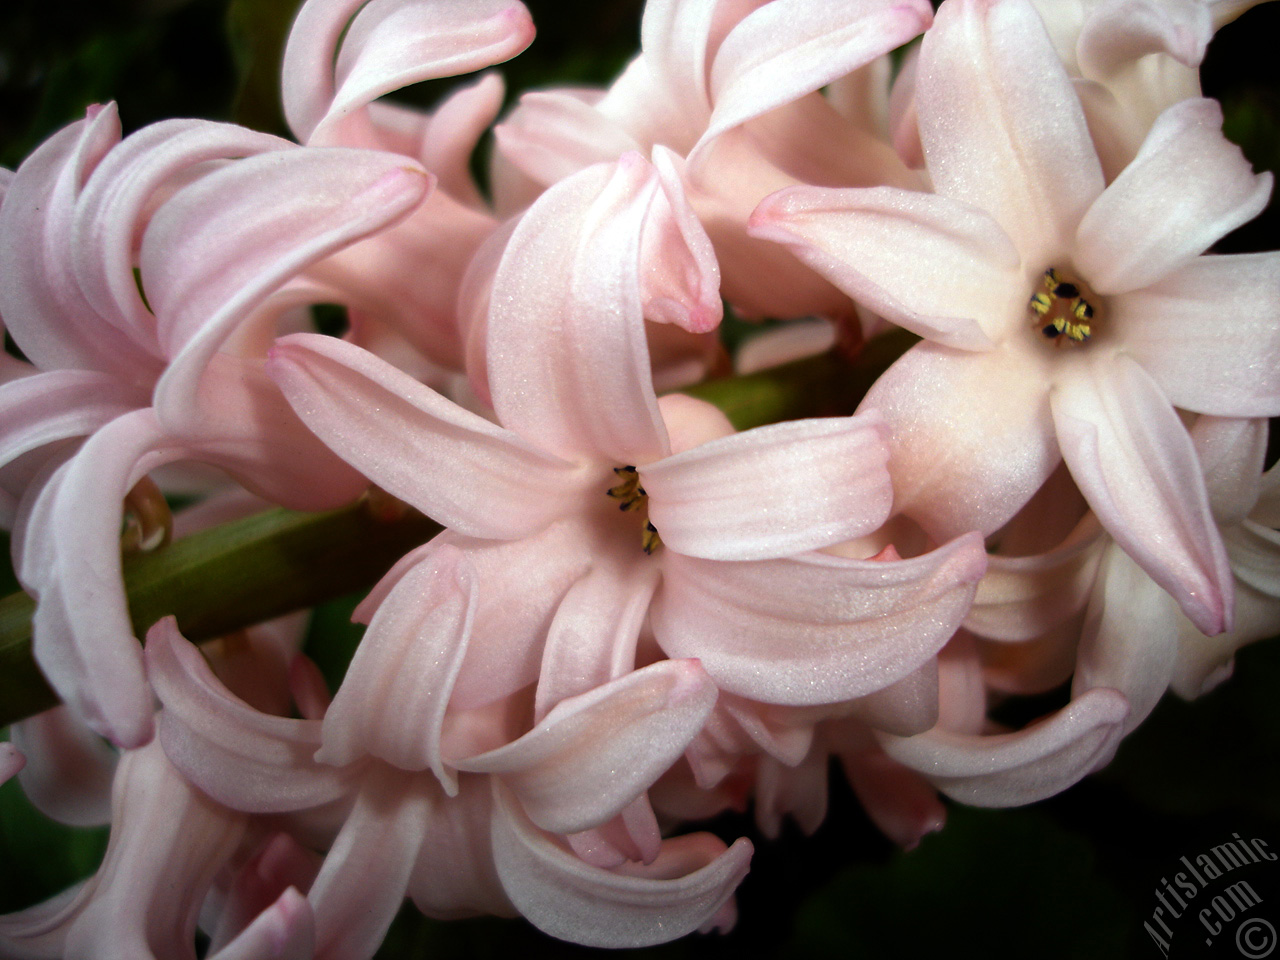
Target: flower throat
{"points": [[1062, 313], [632, 499]]}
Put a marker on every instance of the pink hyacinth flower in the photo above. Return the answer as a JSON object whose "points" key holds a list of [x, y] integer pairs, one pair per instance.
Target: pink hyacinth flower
{"points": [[593, 502], [1132, 60], [342, 55], [1063, 318], [732, 90], [168, 840], [150, 381], [478, 850]]}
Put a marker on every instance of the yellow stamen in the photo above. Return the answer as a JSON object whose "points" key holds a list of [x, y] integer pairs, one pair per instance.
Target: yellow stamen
{"points": [[1062, 314], [632, 499]]}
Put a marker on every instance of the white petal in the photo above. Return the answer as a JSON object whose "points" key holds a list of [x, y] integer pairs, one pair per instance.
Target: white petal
{"points": [[1187, 188], [683, 889], [1011, 769], [774, 491], [816, 628], [1134, 462]]}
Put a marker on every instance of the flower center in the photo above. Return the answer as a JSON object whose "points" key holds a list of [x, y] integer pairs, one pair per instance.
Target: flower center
{"points": [[1061, 311], [632, 499]]}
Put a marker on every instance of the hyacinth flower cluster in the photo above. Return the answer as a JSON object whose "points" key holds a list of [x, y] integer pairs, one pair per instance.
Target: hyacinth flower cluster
{"points": [[642, 608]]}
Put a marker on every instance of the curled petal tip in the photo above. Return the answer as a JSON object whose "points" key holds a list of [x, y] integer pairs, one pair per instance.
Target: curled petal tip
{"points": [[768, 219], [1105, 705], [691, 681], [933, 825], [520, 24], [918, 15]]}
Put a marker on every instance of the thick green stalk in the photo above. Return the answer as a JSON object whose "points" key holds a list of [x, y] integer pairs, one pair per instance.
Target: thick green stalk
{"points": [[279, 561], [226, 578]]}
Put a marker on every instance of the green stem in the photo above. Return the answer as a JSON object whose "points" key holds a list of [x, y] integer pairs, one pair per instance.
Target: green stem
{"points": [[279, 561], [227, 578]]}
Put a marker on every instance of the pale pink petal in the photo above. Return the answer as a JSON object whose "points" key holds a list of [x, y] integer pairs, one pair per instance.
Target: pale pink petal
{"points": [[962, 689], [218, 248], [284, 931], [815, 143], [784, 733], [680, 279], [1049, 519], [898, 800], [568, 363], [1207, 334], [593, 754], [308, 688], [816, 628], [674, 36], [1001, 125], [1117, 34], [789, 48], [455, 876], [392, 701], [451, 137], [40, 932], [691, 422], [524, 583], [592, 638], [1130, 637], [59, 404], [259, 885], [1231, 452], [1020, 598], [554, 134], [400, 128], [68, 776], [758, 278], [948, 414], [1011, 769], [631, 835], [791, 341], [366, 872], [168, 841], [1187, 188], [1254, 555], [1204, 662], [388, 45], [774, 491], [905, 707], [42, 306], [451, 464], [1131, 457], [904, 123], [367, 607], [245, 426], [246, 759], [111, 212], [83, 637], [683, 889], [1026, 668], [798, 792], [939, 267]]}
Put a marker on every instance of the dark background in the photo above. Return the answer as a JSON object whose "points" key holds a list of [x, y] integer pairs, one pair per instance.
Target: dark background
{"points": [[1073, 876]]}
